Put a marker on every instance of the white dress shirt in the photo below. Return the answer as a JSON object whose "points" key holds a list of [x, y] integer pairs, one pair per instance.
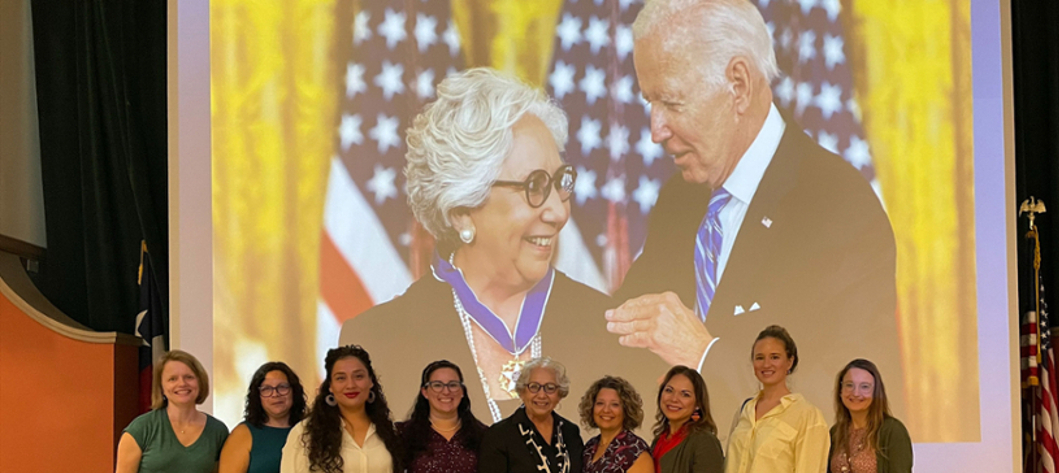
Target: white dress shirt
{"points": [[372, 457], [742, 184]]}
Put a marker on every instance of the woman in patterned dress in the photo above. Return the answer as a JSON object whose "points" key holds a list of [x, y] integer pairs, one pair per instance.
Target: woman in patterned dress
{"points": [[865, 437], [614, 407]]}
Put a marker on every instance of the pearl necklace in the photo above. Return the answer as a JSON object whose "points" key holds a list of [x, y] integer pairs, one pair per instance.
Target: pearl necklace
{"points": [[465, 320]]}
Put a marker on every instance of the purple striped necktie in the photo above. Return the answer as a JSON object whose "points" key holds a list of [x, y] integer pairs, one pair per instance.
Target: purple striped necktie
{"points": [[708, 244]]}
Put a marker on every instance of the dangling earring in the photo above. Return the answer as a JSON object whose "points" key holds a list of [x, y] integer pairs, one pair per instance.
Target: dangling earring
{"points": [[695, 416], [330, 400], [467, 235], [371, 397]]}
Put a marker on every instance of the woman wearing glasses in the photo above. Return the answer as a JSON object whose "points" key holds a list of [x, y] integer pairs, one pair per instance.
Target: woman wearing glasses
{"points": [[866, 438], [275, 401], [535, 438], [485, 178], [442, 434]]}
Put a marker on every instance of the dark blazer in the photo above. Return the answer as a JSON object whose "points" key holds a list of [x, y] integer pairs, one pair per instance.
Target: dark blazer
{"points": [[421, 326], [700, 452], [815, 252], [504, 451], [894, 454]]}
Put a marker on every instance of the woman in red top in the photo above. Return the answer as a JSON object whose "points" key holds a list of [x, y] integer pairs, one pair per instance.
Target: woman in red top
{"points": [[685, 434]]}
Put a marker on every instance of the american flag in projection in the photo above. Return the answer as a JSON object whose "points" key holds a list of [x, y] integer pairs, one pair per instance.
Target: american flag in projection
{"points": [[394, 53], [817, 83], [620, 170]]}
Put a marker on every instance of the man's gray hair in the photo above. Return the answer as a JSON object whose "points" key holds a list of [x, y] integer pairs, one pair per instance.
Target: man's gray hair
{"points": [[728, 28], [546, 363], [457, 145]]}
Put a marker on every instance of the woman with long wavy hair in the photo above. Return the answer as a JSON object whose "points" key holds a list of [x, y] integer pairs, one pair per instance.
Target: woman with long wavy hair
{"points": [[866, 438], [441, 434], [685, 433], [349, 429], [275, 401]]}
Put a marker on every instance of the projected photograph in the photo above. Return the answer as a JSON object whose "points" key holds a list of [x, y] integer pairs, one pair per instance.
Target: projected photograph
{"points": [[490, 181]]}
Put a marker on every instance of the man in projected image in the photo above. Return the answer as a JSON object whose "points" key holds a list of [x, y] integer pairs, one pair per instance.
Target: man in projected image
{"points": [[762, 226]]}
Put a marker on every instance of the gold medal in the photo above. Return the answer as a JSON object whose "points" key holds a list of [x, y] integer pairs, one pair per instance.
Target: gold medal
{"points": [[509, 376]]}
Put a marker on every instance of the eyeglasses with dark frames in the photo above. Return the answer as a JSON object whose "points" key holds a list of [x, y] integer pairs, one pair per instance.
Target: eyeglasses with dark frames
{"points": [[270, 391], [538, 185], [438, 386], [549, 388]]}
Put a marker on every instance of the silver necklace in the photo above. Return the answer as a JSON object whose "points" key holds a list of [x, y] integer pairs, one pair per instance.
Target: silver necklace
{"points": [[465, 320]]}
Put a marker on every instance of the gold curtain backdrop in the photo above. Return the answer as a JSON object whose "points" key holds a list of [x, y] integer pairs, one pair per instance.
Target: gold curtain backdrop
{"points": [[275, 93]]}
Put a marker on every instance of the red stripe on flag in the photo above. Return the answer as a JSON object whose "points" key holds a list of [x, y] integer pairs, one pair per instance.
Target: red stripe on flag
{"points": [[340, 286]]}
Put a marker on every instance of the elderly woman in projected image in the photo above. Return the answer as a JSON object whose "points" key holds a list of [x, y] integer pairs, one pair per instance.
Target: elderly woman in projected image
{"points": [[486, 179]]}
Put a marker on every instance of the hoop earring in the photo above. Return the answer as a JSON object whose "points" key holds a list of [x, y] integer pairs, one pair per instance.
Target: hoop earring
{"points": [[371, 397], [467, 235], [330, 400]]}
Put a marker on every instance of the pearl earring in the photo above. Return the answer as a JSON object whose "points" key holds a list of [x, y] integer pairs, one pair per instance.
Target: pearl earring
{"points": [[467, 235]]}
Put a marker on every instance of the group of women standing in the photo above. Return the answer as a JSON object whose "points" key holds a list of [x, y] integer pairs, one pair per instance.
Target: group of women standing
{"points": [[349, 427]]}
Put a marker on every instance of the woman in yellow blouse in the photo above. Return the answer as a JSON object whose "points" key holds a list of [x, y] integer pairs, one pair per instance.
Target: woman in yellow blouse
{"points": [[778, 431]]}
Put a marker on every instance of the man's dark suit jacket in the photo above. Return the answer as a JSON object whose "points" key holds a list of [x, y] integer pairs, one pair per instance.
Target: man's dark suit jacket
{"points": [[815, 252]]}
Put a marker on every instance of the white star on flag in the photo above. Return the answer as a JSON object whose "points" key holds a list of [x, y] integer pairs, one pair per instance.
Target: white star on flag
{"points": [[349, 131], [425, 31], [828, 141], [390, 80], [830, 100], [805, 97], [585, 185], [857, 154], [647, 148], [833, 51], [646, 194], [833, 7], [385, 132], [361, 30], [617, 141], [807, 6], [785, 91], [596, 34], [452, 39], [569, 31], [614, 190], [621, 90], [806, 46], [623, 41], [425, 84], [382, 184], [355, 79], [562, 79], [588, 135], [392, 28], [593, 84]]}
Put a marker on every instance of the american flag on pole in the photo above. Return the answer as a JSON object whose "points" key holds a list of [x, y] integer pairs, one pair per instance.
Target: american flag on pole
{"points": [[393, 54], [1040, 389], [620, 170]]}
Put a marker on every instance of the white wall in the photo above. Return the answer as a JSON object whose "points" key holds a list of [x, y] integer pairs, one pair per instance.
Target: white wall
{"points": [[21, 197]]}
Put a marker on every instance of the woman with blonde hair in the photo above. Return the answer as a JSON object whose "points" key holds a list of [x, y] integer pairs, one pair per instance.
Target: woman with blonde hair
{"points": [[174, 435], [866, 438]]}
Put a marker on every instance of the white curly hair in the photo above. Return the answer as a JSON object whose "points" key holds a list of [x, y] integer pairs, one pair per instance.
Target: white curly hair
{"points": [[458, 144]]}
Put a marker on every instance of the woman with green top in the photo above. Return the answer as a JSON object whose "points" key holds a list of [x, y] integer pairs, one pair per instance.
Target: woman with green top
{"points": [[275, 402], [174, 435], [866, 438]]}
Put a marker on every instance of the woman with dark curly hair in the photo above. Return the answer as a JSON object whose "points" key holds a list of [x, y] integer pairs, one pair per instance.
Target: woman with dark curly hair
{"points": [[685, 434], [275, 401], [614, 407], [349, 428], [441, 435]]}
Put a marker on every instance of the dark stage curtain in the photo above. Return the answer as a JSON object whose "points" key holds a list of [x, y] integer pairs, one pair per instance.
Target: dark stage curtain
{"points": [[1035, 44], [101, 98]]}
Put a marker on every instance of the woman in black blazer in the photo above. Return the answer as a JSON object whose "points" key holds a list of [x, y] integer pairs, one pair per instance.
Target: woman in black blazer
{"points": [[534, 439]]}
